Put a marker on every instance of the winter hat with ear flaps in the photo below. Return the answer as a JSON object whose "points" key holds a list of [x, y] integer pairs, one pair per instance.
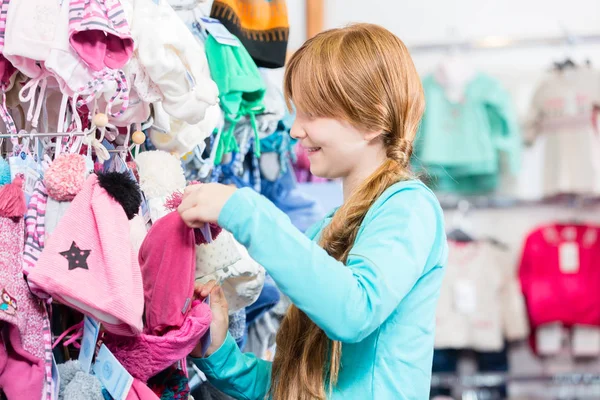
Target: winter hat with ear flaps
{"points": [[88, 263]]}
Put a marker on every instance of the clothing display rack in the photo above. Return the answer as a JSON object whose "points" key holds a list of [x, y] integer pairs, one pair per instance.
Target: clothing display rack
{"points": [[502, 42]]}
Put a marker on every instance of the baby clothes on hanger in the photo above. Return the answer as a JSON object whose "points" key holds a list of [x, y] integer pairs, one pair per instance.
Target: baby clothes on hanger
{"points": [[559, 275], [561, 122], [463, 146], [481, 305]]}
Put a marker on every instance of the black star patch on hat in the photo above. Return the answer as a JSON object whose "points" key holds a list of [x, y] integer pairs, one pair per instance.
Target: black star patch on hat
{"points": [[77, 258]]}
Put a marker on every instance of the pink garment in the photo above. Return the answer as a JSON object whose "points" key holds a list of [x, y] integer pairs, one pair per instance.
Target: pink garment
{"points": [[35, 222], [22, 365], [168, 262], [560, 291], [89, 264], [146, 355], [65, 176], [99, 33], [139, 391]]}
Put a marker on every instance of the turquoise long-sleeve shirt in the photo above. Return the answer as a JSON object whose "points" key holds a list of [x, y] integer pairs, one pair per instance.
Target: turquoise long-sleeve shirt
{"points": [[380, 305]]}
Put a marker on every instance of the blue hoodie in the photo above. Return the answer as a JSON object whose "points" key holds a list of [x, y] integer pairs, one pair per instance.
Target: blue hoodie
{"points": [[380, 305]]}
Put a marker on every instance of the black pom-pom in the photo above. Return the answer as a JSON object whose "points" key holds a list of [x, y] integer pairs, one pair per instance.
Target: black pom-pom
{"points": [[124, 189]]}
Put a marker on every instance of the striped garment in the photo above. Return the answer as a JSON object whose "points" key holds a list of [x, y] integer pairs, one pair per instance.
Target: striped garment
{"points": [[95, 87], [99, 33], [3, 14], [35, 227]]}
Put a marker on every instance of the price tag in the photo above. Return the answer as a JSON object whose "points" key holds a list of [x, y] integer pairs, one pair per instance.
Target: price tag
{"points": [[569, 257], [585, 341], [219, 32], [113, 376], [465, 296], [55, 380], [549, 339], [206, 341], [91, 329]]}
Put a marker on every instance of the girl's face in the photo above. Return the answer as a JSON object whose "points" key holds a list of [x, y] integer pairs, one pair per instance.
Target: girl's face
{"points": [[335, 148]]}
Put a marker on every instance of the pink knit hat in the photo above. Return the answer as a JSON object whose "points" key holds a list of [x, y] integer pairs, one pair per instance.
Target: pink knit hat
{"points": [[99, 33], [167, 259], [88, 262]]}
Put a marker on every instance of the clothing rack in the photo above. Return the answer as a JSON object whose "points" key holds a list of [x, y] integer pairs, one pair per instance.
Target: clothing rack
{"points": [[42, 135], [503, 42], [496, 379]]}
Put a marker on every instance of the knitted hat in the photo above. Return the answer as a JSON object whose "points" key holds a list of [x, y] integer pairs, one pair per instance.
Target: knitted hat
{"points": [[261, 25], [26, 39], [167, 260], [173, 60], [22, 355], [161, 175], [241, 89], [179, 137], [88, 262], [99, 33], [228, 262], [62, 61]]}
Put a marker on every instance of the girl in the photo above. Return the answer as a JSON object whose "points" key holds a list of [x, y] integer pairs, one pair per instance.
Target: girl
{"points": [[365, 281]]}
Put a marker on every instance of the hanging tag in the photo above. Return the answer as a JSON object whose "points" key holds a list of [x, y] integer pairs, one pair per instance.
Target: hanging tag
{"points": [[91, 329], [55, 380], [465, 296], [25, 165], [145, 209], [549, 339], [219, 32], [205, 229], [113, 376], [569, 257], [206, 341], [585, 341]]}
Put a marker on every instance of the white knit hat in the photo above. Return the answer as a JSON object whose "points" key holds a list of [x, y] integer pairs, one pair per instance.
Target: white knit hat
{"points": [[174, 60]]}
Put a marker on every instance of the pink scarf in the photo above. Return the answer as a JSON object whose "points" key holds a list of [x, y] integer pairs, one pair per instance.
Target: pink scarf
{"points": [[146, 355]]}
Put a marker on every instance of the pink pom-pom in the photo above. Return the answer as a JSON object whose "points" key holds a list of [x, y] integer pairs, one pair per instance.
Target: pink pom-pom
{"points": [[173, 201], [12, 199], [65, 177]]}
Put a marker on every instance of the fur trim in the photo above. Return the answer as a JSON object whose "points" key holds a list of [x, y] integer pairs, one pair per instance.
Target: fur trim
{"points": [[121, 187]]}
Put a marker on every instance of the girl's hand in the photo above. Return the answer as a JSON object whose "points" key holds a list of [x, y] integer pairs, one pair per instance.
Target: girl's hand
{"points": [[220, 316], [203, 203]]}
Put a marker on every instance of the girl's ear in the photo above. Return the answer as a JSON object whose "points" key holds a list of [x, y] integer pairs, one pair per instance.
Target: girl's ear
{"points": [[369, 136]]}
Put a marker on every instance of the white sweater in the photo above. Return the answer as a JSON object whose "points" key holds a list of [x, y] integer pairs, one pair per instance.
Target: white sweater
{"points": [[481, 303]]}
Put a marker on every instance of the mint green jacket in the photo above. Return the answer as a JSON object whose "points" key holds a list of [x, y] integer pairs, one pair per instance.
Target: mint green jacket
{"points": [[380, 305]]}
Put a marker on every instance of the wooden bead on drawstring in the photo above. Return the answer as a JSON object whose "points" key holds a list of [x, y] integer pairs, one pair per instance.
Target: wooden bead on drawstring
{"points": [[100, 120], [138, 137]]}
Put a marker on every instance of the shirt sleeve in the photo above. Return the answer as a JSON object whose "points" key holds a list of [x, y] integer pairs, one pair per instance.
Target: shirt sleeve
{"points": [[347, 301], [240, 375]]}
